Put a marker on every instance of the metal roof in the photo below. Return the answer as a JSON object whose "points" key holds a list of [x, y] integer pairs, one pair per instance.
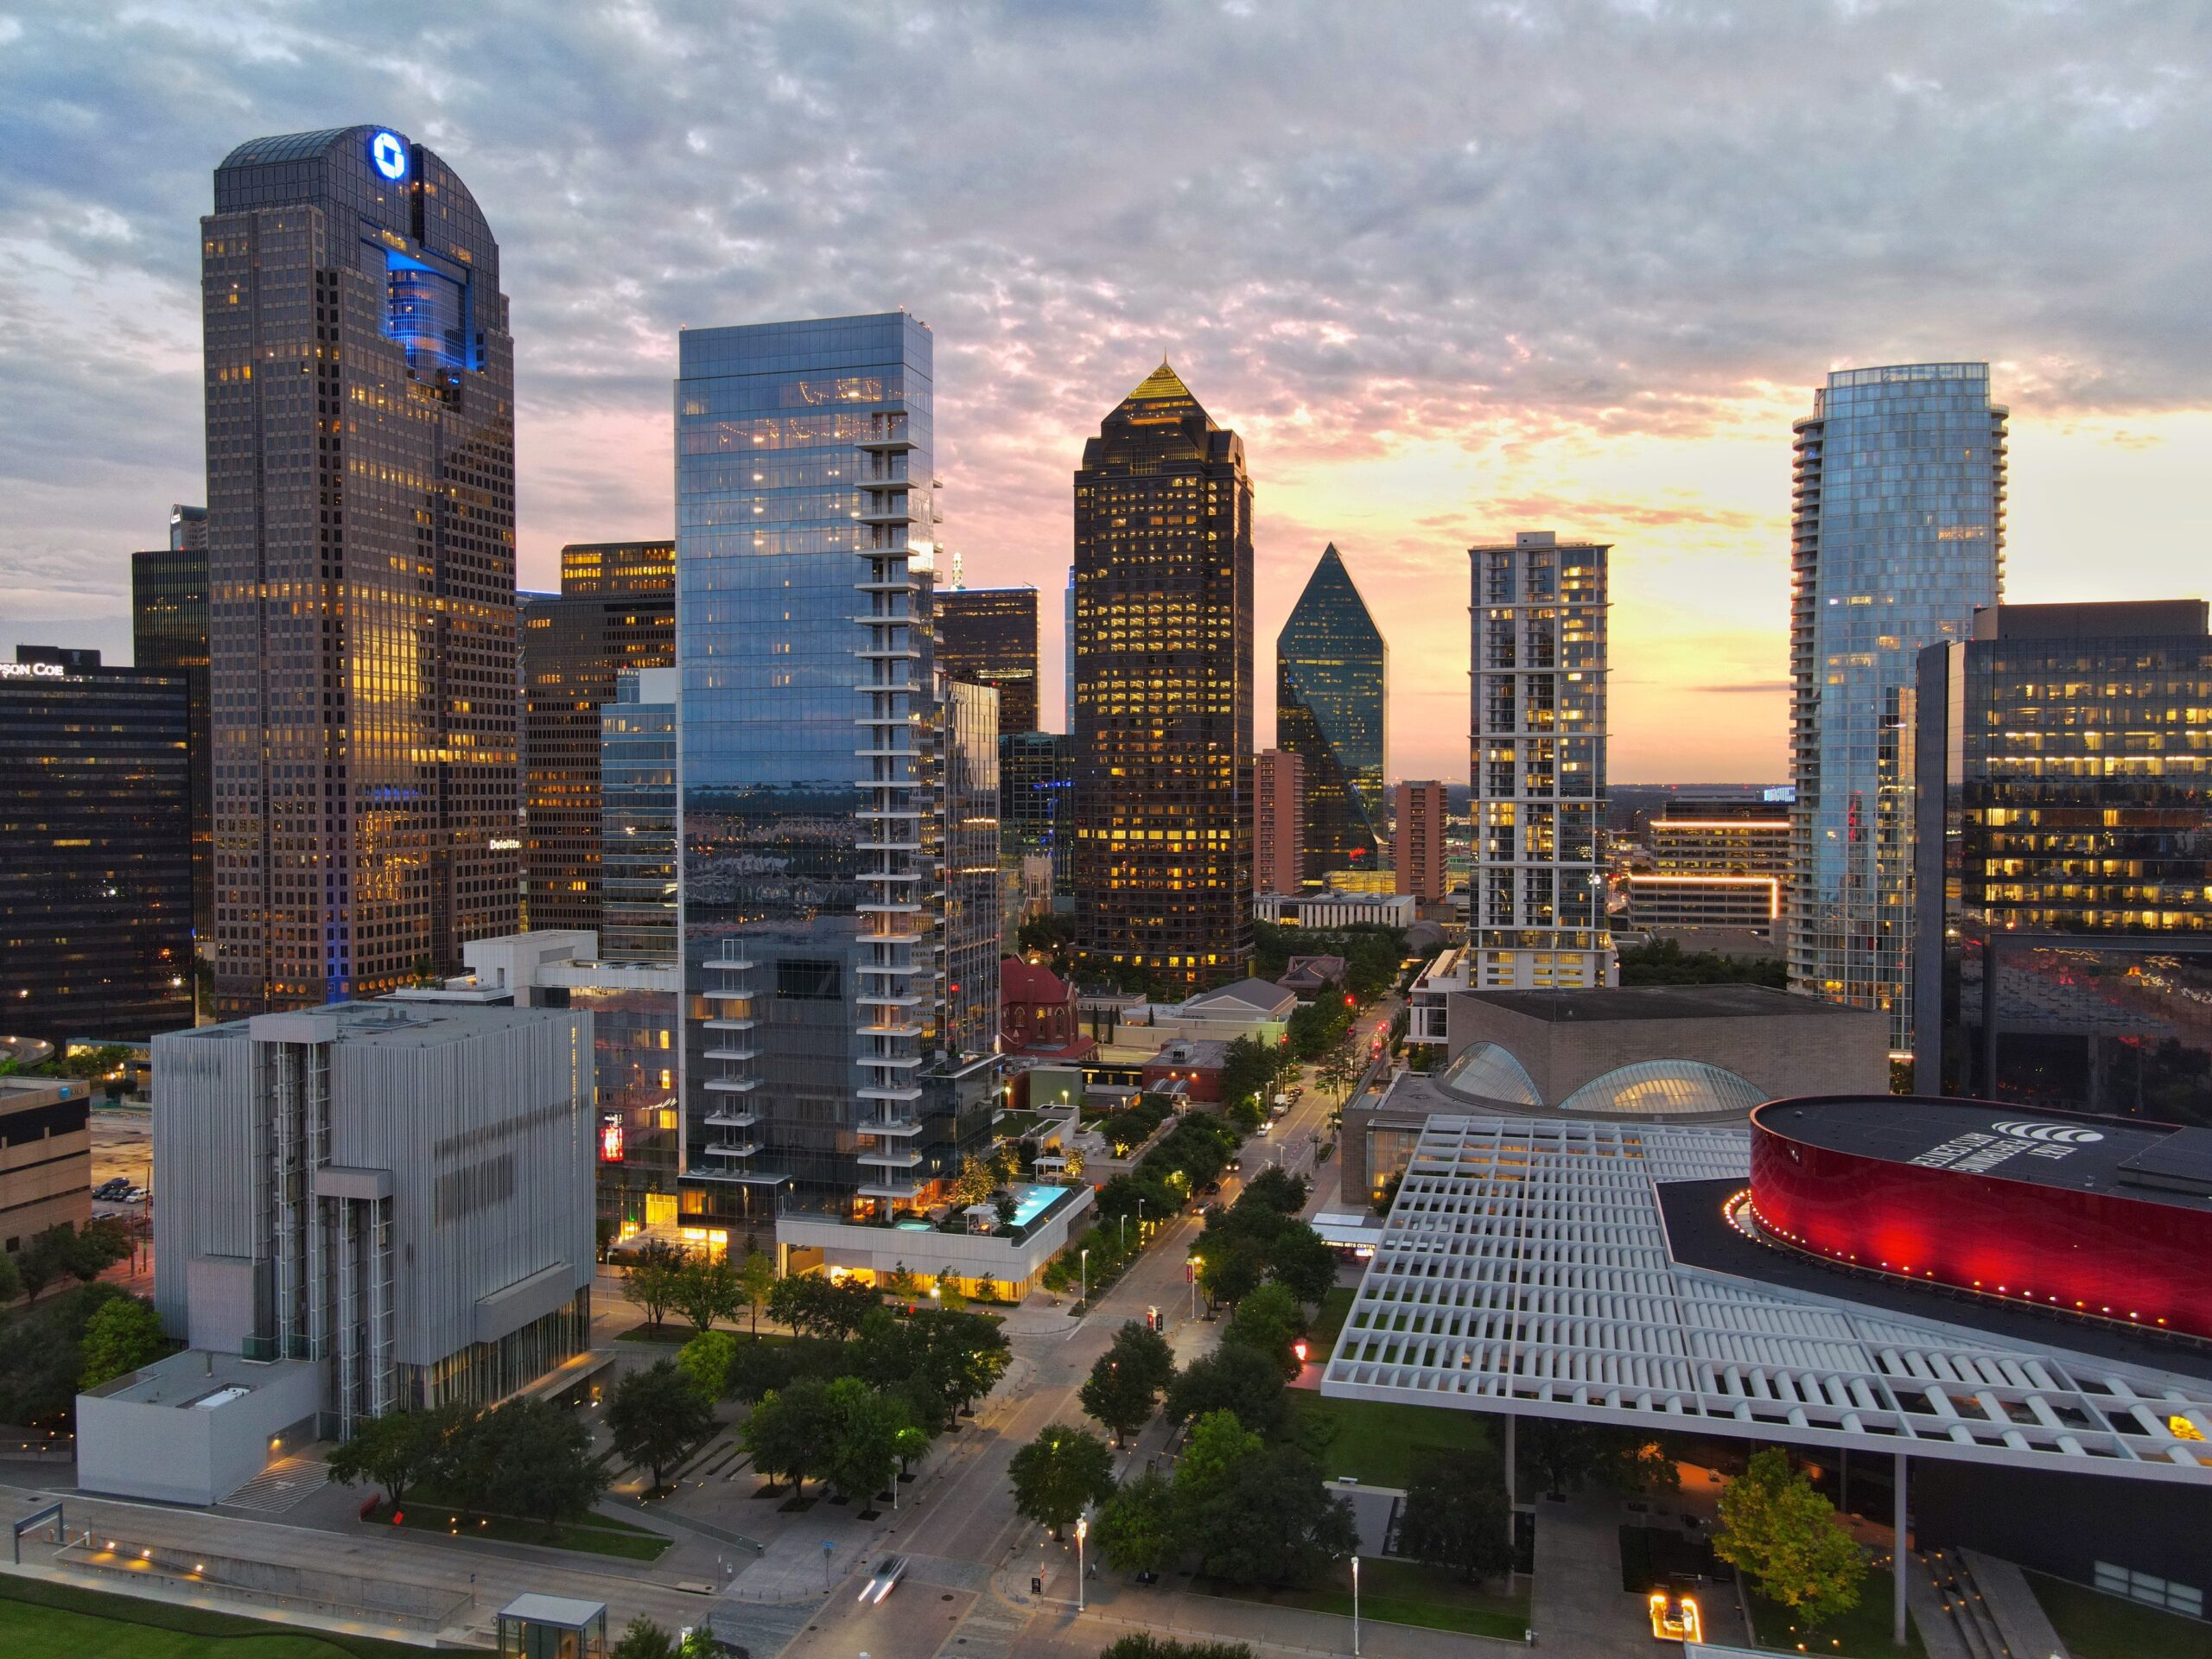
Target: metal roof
{"points": [[1525, 1266]]}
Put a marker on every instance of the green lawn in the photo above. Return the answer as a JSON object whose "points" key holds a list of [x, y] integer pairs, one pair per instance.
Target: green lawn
{"points": [[596, 1534], [1406, 1592], [44, 1618], [1336, 1308], [1380, 1444], [1862, 1633], [2097, 1626]]}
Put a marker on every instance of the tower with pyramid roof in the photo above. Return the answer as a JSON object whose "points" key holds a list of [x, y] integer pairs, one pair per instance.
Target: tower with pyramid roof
{"points": [[1161, 720], [1332, 670]]}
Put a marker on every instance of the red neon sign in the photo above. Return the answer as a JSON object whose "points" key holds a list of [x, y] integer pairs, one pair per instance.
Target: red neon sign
{"points": [[610, 1142]]}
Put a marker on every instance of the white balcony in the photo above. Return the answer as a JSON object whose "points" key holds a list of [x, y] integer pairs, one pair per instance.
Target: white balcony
{"points": [[886, 1158], [732, 1085], [724, 1117]]}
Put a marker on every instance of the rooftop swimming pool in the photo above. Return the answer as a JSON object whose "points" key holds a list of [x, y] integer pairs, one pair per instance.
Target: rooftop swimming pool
{"points": [[1031, 1202]]}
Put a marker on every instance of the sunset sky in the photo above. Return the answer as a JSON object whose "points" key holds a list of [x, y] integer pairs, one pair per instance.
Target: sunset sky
{"points": [[1452, 270]]}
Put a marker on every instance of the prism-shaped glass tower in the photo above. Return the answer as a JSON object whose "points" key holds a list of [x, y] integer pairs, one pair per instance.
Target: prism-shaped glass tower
{"points": [[1332, 711]]}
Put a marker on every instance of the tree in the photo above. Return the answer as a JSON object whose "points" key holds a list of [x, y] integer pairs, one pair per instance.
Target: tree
{"points": [[651, 1279], [791, 1431], [968, 1354], [1232, 1378], [1272, 1522], [531, 1458], [1218, 1446], [912, 1441], [864, 1449], [1456, 1516], [1231, 1266], [121, 1337], [1060, 1473], [1303, 1263], [1125, 1383], [1386, 1194], [811, 1303], [1269, 1319], [11, 1282], [1143, 1645], [1274, 1189], [975, 1183], [705, 1290], [1137, 1526], [756, 1282], [708, 1359], [45, 1259], [659, 1414], [97, 1246], [1574, 1454], [397, 1450], [1775, 1526], [643, 1639]]}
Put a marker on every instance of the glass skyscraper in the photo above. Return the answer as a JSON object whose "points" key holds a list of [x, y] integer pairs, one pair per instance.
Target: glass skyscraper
{"points": [[637, 803], [95, 850], [361, 569], [616, 610], [2064, 758], [1897, 534], [169, 635], [828, 1062], [1331, 711], [1162, 722], [1538, 784], [988, 636]]}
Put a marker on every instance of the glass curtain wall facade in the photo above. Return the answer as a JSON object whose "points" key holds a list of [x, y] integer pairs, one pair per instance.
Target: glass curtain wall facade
{"points": [[1538, 785], [1037, 802], [169, 635], [361, 570], [815, 944], [1332, 711], [2064, 860], [638, 818], [1162, 720], [616, 610], [95, 850], [988, 636], [1897, 535]]}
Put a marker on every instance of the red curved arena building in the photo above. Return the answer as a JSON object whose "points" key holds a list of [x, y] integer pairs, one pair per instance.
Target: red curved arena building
{"points": [[2100, 1217]]}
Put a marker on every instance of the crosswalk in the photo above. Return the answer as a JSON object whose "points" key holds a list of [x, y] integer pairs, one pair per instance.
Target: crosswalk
{"points": [[284, 1482]]}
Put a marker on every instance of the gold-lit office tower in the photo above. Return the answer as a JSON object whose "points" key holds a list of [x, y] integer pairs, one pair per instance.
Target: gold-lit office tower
{"points": [[1162, 719], [361, 569]]}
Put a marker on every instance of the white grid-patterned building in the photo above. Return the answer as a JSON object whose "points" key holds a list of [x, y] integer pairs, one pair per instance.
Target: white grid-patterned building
{"points": [[1526, 1267]]}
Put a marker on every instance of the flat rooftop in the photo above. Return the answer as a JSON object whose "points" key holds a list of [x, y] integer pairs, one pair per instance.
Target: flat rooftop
{"points": [[408, 1024], [1663, 1002], [2150, 1163], [198, 1378]]}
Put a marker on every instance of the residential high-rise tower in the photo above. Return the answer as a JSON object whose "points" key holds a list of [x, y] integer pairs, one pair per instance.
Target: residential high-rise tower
{"points": [[1897, 534], [1538, 919], [1162, 721], [830, 1062], [1331, 711], [361, 569], [1417, 832]]}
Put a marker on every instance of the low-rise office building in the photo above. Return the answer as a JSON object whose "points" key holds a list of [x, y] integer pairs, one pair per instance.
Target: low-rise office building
{"points": [[366, 1207], [46, 1157], [1333, 908]]}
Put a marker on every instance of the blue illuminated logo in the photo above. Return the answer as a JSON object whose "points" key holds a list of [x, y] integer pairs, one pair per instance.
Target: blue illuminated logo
{"points": [[389, 152]]}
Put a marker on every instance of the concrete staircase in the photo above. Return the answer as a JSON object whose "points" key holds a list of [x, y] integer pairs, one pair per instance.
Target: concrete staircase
{"points": [[1957, 1610]]}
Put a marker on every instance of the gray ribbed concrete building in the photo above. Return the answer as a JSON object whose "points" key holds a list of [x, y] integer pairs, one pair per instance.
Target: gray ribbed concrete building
{"points": [[398, 1194]]}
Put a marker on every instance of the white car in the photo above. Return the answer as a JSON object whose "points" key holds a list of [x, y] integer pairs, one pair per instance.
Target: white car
{"points": [[893, 1569]]}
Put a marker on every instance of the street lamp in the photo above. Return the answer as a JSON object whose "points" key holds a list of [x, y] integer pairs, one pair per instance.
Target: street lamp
{"points": [[1355, 1607], [1082, 1531], [1085, 1296], [1197, 1264]]}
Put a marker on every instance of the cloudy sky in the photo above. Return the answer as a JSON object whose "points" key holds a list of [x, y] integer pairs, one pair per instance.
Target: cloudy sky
{"points": [[1453, 269]]}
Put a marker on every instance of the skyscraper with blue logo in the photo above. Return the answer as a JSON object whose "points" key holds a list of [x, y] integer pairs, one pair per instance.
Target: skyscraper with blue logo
{"points": [[841, 1024], [361, 569], [1897, 535]]}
